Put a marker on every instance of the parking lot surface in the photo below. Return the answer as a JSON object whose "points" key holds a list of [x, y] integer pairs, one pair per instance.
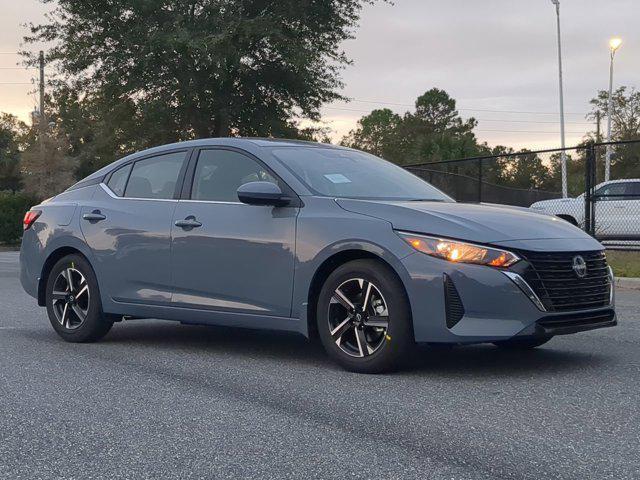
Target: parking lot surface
{"points": [[163, 400]]}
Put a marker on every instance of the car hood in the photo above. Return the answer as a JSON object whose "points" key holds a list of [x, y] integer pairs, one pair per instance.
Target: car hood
{"points": [[471, 222]]}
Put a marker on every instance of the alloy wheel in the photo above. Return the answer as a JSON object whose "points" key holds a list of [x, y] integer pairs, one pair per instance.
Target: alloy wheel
{"points": [[358, 317], [70, 297]]}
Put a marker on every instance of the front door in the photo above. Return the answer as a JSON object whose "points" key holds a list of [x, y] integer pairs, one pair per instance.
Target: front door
{"points": [[226, 255], [617, 210], [127, 225]]}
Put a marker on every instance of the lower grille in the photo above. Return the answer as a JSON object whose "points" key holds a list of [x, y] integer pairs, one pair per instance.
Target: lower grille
{"points": [[577, 322], [553, 278], [453, 303]]}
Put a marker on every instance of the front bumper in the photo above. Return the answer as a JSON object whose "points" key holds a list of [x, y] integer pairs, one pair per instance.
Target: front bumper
{"points": [[494, 307], [576, 322]]}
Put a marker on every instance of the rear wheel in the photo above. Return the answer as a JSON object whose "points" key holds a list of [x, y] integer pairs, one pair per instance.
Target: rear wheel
{"points": [[363, 317], [522, 343], [73, 301]]}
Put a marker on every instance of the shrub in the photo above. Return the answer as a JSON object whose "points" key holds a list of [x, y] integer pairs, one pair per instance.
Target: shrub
{"points": [[12, 209]]}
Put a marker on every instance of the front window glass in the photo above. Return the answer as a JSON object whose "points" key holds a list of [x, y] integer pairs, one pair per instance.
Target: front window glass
{"points": [[613, 191], [219, 173], [155, 177], [335, 172]]}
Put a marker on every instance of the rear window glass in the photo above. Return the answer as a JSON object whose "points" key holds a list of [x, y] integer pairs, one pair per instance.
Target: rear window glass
{"points": [[118, 180]]}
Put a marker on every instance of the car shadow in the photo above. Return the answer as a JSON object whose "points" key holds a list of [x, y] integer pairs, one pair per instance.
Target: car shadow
{"points": [[473, 360], [488, 360], [461, 361], [214, 339]]}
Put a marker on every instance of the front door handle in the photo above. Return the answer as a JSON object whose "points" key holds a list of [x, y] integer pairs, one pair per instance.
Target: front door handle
{"points": [[94, 216], [188, 223]]}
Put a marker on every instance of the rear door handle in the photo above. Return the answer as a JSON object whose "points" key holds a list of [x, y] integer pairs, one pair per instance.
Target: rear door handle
{"points": [[188, 223], [94, 216]]}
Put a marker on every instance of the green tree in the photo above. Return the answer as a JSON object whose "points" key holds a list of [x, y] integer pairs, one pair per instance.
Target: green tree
{"points": [[434, 131], [46, 173], [525, 170], [11, 132], [625, 125], [142, 73], [438, 131], [377, 133]]}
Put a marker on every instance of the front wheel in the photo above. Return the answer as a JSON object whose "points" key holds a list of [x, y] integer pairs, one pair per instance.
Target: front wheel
{"points": [[73, 301], [363, 317]]}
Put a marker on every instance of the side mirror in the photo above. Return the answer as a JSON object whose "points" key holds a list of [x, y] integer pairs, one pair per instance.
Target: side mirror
{"points": [[262, 193]]}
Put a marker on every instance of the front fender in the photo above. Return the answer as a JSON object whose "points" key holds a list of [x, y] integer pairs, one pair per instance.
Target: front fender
{"points": [[322, 237]]}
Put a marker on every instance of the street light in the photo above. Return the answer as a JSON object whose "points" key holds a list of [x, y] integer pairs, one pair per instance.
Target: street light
{"points": [[563, 154], [614, 44]]}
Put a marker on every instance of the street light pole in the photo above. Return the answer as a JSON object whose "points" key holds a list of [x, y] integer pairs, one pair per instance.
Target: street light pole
{"points": [[563, 154], [614, 44]]}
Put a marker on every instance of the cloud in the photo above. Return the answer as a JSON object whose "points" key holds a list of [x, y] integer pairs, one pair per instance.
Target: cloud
{"points": [[491, 54]]}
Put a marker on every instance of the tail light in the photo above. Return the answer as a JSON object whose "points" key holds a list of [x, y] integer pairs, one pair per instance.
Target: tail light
{"points": [[30, 217]]}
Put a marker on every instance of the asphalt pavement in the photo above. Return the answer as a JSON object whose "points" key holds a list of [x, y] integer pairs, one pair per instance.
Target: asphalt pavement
{"points": [[162, 400]]}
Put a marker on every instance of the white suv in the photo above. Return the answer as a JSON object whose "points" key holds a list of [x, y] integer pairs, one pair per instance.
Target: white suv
{"points": [[617, 212]]}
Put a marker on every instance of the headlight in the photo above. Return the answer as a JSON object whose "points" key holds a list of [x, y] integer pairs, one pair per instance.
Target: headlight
{"points": [[459, 252]]}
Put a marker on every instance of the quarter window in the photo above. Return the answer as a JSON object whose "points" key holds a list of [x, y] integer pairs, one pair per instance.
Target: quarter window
{"points": [[219, 173], [118, 180], [155, 177]]}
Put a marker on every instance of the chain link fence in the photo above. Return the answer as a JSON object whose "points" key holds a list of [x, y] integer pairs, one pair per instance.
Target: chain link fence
{"points": [[608, 209]]}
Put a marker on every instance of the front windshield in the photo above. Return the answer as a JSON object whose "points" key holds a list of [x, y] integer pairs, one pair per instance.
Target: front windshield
{"points": [[333, 172]]}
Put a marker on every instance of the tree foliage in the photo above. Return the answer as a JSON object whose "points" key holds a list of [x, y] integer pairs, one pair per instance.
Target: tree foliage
{"points": [[139, 73], [47, 172], [11, 133], [625, 125], [434, 131], [12, 208]]}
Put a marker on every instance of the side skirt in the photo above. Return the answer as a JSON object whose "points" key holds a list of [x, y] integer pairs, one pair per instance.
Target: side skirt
{"points": [[196, 316]]}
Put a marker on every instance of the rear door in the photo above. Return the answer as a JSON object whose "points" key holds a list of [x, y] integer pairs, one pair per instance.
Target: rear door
{"points": [[240, 258], [128, 226]]}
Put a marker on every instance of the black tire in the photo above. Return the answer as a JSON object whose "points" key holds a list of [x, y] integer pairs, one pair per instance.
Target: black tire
{"points": [[522, 343], [82, 320], [388, 304]]}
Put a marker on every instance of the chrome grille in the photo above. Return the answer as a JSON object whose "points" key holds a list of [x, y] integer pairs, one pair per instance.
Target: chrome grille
{"points": [[552, 277]]}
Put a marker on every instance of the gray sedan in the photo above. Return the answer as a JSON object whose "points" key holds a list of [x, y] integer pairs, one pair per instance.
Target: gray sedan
{"points": [[310, 238]]}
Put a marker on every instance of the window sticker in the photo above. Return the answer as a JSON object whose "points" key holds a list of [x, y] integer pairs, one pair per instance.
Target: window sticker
{"points": [[337, 178]]}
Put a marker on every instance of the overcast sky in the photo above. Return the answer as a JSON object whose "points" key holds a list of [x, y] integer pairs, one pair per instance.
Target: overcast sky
{"points": [[495, 55]]}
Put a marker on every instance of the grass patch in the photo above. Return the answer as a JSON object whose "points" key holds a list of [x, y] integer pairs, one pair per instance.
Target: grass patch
{"points": [[624, 264]]}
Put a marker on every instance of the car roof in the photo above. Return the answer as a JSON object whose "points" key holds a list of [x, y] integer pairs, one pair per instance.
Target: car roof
{"points": [[249, 143], [622, 180]]}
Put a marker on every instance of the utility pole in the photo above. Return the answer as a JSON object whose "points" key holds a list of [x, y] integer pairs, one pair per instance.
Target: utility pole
{"points": [[563, 154], [42, 120], [598, 137]]}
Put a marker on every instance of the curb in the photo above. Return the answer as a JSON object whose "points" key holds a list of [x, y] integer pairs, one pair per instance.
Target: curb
{"points": [[628, 283]]}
